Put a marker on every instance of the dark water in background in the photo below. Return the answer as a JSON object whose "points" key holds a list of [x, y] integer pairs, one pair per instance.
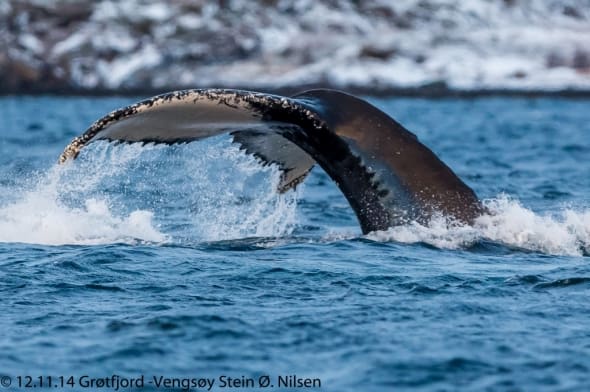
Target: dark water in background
{"points": [[182, 261]]}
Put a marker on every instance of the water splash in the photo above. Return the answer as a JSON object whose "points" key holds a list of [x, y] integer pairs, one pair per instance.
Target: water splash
{"points": [[510, 224], [133, 193], [238, 200], [48, 212], [41, 220], [207, 192]]}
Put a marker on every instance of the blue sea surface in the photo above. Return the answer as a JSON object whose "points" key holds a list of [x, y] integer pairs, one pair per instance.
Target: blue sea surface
{"points": [[183, 262]]}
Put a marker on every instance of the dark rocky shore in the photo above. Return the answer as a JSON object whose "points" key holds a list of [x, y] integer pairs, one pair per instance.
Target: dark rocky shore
{"points": [[427, 47]]}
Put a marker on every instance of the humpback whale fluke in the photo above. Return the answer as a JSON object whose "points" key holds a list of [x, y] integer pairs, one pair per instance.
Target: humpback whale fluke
{"points": [[388, 176]]}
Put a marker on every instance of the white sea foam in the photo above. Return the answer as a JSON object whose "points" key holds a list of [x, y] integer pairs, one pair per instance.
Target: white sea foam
{"points": [[509, 223], [42, 215], [41, 219]]}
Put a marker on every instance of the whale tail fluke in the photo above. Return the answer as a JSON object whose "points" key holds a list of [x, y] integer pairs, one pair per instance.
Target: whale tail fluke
{"points": [[386, 174]]}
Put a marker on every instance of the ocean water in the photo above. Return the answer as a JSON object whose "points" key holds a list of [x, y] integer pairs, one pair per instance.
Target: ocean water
{"points": [[182, 262]]}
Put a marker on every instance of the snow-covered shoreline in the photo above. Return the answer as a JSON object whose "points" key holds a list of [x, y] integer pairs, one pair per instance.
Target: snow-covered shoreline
{"points": [[408, 46]]}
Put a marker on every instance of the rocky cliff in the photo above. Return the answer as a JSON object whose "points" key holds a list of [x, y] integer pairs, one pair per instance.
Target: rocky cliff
{"points": [[83, 45]]}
